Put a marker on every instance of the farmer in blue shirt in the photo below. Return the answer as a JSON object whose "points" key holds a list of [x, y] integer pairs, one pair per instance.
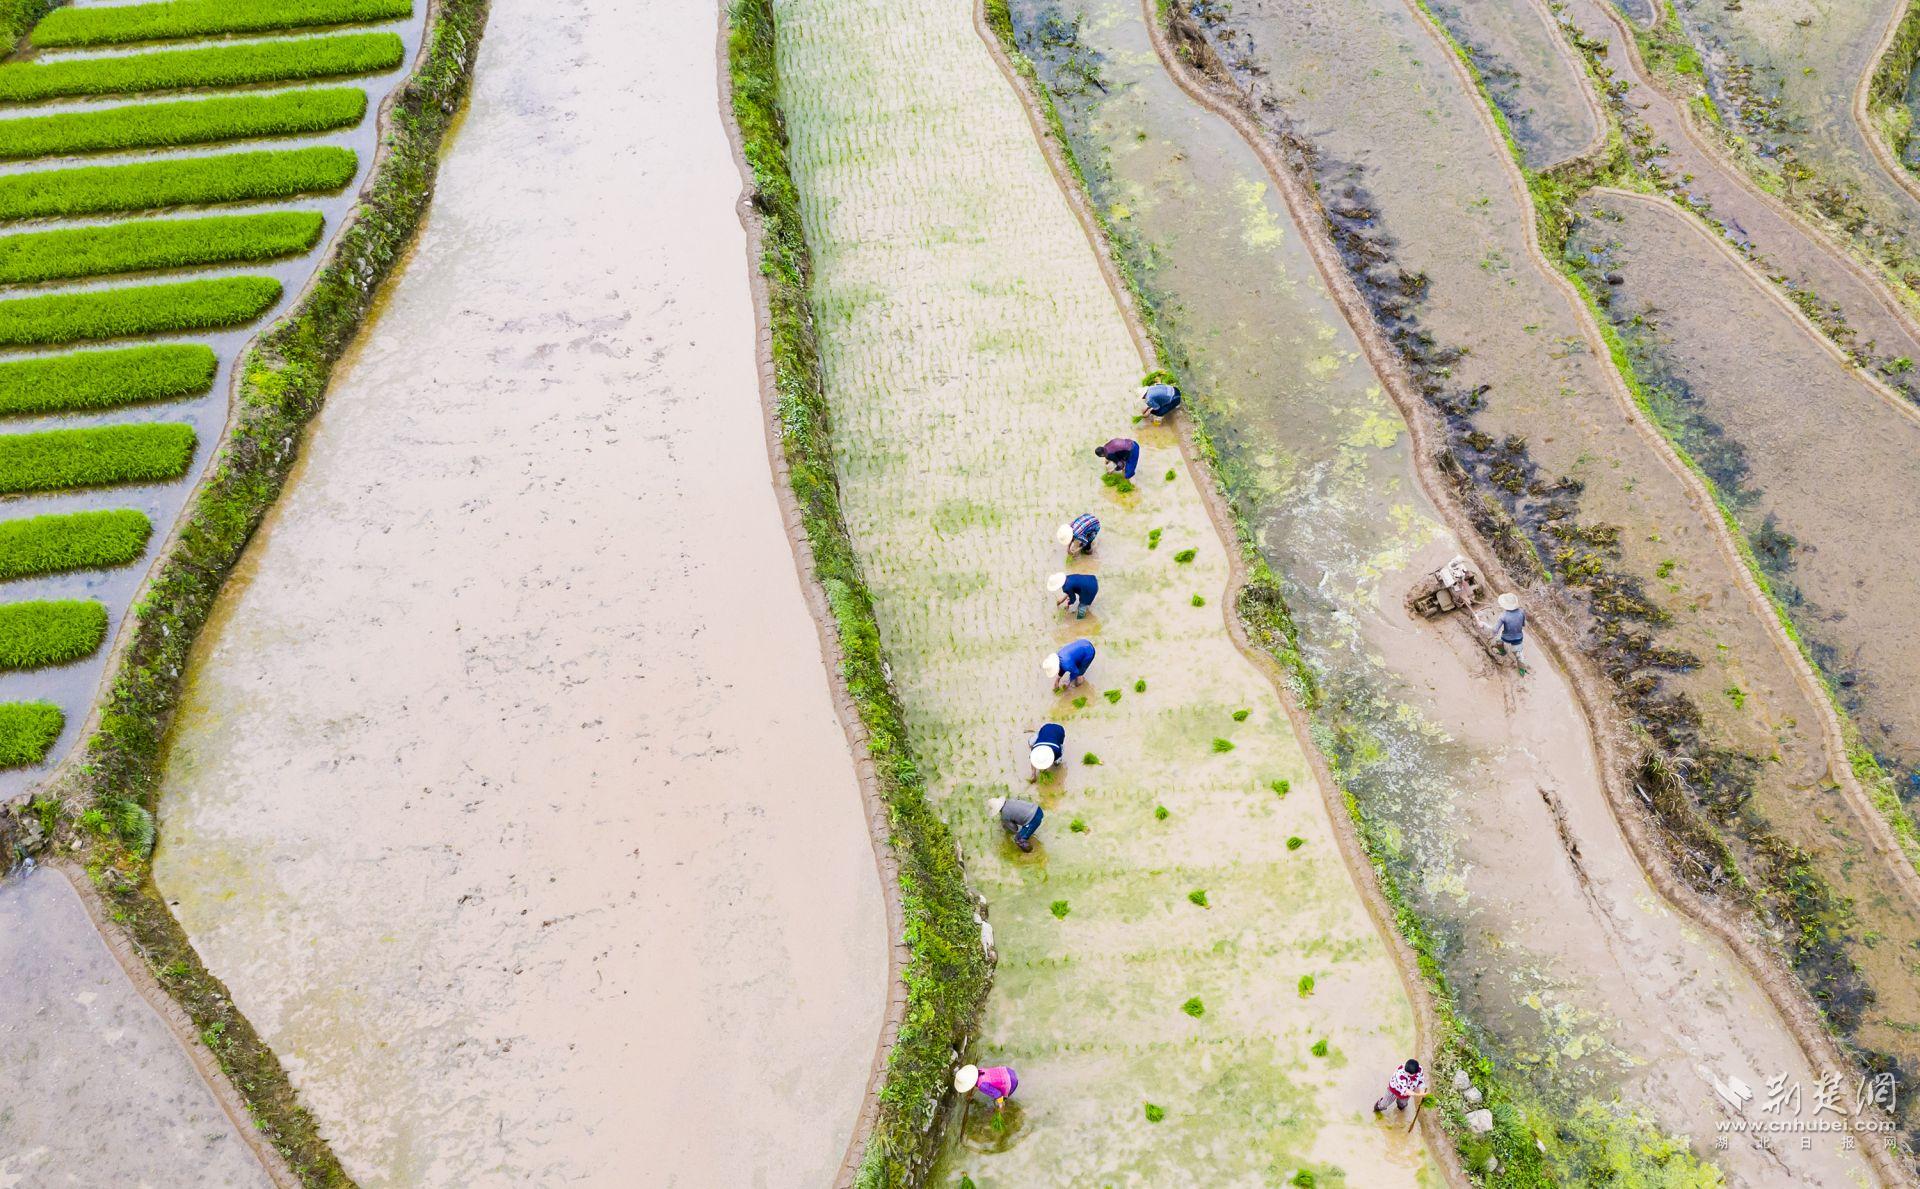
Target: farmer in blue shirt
{"points": [[1079, 534], [1161, 400], [1069, 665], [1122, 454], [1075, 590], [1046, 747], [1512, 629]]}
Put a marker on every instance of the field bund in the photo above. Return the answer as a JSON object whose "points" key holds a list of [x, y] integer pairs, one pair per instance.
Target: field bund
{"points": [[974, 355], [509, 797]]}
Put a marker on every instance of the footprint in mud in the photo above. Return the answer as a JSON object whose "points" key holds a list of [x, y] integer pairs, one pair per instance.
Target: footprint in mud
{"points": [[989, 1131]]}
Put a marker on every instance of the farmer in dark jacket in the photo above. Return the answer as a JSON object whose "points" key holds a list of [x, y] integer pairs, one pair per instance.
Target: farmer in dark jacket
{"points": [[1076, 591], [1046, 747], [1122, 454]]}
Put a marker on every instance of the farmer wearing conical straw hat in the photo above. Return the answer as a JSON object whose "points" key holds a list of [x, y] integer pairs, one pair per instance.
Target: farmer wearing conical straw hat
{"points": [[1512, 629], [1079, 534], [1076, 591], [997, 1082], [1068, 667], [1046, 747]]}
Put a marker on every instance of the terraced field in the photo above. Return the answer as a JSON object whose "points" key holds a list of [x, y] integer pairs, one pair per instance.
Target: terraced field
{"points": [[173, 173], [1184, 933]]}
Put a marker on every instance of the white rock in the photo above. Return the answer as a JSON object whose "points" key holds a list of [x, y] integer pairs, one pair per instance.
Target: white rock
{"points": [[1481, 1121], [1472, 1095], [1460, 1079]]}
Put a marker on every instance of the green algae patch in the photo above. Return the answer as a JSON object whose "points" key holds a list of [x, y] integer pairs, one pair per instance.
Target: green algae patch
{"points": [[105, 379], [33, 635], [215, 66], [174, 19], [60, 542]]}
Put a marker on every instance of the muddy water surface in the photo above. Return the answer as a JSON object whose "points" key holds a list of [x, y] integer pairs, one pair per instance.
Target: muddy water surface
{"points": [[94, 1087], [509, 798], [1786, 72], [974, 356], [1859, 311], [1540, 87], [1820, 467], [1583, 982]]}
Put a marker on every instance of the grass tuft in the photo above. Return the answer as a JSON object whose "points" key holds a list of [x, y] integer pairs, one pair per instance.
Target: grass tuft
{"points": [[1194, 1007], [1160, 813], [27, 730], [1090, 759], [1078, 825], [105, 379], [71, 541], [1112, 696], [1153, 538], [34, 635], [184, 122], [174, 19], [1198, 896], [1319, 1048], [1140, 686], [1154, 1113], [61, 458], [1306, 985], [1185, 556], [1282, 787], [214, 66], [182, 181], [1296, 842], [1060, 909], [1222, 745], [1241, 715], [134, 311], [1198, 601], [154, 244]]}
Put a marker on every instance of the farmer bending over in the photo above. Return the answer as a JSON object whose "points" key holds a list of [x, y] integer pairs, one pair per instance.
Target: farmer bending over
{"points": [[1075, 590], [1512, 629], [1080, 534], [1122, 454], [1069, 665], [1018, 818], [1161, 400], [997, 1082], [1406, 1082], [1047, 746]]}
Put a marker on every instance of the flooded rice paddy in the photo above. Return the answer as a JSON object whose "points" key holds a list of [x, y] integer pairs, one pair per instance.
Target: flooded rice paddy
{"points": [[1788, 76], [974, 356], [1818, 466], [508, 796], [1531, 73], [95, 1088], [1470, 769], [74, 687]]}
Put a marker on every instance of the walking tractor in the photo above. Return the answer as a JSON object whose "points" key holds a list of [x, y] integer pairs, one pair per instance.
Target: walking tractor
{"points": [[1456, 586]]}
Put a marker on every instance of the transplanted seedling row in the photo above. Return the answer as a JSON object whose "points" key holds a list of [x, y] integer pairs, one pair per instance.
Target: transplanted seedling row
{"points": [[36, 633]]}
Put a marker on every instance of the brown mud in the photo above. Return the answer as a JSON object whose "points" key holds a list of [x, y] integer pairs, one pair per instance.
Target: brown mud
{"points": [[494, 832]]}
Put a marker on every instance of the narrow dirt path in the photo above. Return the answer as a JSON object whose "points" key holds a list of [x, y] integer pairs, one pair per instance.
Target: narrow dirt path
{"points": [[509, 797], [973, 356]]}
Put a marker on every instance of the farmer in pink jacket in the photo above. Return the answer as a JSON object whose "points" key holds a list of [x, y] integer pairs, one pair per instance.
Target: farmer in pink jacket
{"points": [[997, 1082]]}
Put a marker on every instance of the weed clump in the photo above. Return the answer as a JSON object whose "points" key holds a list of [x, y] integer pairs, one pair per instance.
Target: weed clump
{"points": [[1305, 985], [1160, 813], [1198, 601], [1170, 474], [1319, 1048], [1078, 825], [1140, 686], [1220, 745], [1059, 909], [1296, 842], [1112, 696], [1089, 759], [1185, 556], [1241, 715], [1194, 1007], [1154, 1113], [1281, 787], [1198, 896], [1153, 538]]}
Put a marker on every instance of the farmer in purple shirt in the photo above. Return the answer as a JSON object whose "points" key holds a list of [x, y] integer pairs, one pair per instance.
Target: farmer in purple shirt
{"points": [[997, 1082], [1122, 454]]}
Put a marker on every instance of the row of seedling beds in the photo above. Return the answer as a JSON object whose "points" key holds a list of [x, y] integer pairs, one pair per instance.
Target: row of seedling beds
{"points": [[120, 227]]}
